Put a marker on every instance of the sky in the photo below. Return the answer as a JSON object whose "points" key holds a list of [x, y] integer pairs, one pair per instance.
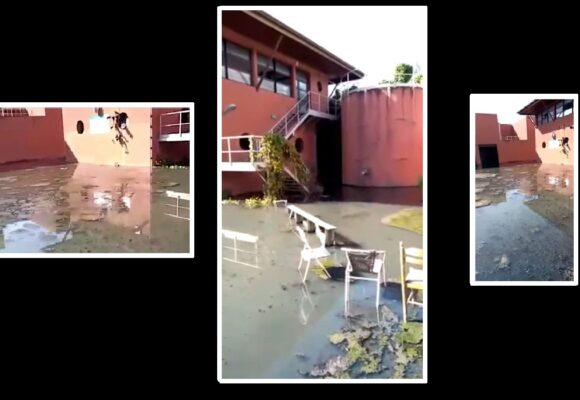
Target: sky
{"points": [[373, 39], [506, 106]]}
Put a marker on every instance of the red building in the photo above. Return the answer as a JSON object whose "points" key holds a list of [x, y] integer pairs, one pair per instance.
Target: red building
{"points": [[84, 135], [276, 80], [545, 134]]}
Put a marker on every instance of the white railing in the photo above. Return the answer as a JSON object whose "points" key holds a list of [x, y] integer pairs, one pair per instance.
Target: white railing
{"points": [[178, 196], [171, 123], [237, 238], [14, 112], [232, 151], [299, 112]]}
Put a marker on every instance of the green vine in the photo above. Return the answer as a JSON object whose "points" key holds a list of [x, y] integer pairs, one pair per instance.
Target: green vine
{"points": [[276, 152], [252, 155]]}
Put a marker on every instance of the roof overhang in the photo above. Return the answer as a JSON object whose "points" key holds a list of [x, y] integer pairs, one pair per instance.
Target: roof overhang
{"points": [[264, 28], [536, 106]]}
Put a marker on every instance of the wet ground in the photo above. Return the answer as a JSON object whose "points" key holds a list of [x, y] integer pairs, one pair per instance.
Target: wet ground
{"points": [[81, 208], [412, 196], [274, 327], [524, 223]]}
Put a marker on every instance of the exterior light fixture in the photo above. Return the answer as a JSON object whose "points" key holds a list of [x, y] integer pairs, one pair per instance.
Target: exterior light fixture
{"points": [[229, 108]]}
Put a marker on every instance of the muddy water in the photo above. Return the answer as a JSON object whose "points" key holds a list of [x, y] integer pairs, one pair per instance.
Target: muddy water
{"points": [[273, 326], [80, 208], [526, 231]]}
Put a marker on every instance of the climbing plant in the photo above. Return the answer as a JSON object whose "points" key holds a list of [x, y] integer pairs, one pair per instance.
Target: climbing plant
{"points": [[276, 152]]}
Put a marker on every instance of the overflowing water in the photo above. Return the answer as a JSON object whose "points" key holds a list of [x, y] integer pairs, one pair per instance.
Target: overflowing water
{"points": [[525, 223], [81, 208], [272, 325]]}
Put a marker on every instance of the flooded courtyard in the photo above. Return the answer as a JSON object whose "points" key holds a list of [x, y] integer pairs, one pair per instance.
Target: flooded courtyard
{"points": [[273, 326], [524, 223], [82, 208]]}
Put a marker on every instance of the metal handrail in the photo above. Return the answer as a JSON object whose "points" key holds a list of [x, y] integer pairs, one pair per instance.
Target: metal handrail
{"points": [[14, 112], [255, 143], [311, 101], [180, 124]]}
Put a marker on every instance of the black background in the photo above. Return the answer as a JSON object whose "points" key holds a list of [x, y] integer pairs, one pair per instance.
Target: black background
{"points": [[123, 327]]}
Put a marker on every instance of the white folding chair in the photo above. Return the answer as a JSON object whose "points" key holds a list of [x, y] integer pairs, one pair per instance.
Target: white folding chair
{"points": [[364, 263], [308, 254]]}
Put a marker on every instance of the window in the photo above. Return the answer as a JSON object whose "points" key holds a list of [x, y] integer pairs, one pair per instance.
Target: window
{"points": [[546, 116], [568, 106], [559, 110], [236, 65], [276, 75]]}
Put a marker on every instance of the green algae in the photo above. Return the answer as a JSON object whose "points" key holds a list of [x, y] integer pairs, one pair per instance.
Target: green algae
{"points": [[411, 333], [410, 219]]}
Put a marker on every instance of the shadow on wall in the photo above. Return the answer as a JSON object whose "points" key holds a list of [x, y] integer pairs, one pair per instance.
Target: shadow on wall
{"points": [[69, 155]]}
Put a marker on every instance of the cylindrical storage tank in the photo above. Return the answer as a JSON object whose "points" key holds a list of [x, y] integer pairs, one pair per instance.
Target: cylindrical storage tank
{"points": [[382, 136]]}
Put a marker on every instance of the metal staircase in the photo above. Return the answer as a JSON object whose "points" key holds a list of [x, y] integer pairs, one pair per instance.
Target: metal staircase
{"points": [[311, 105]]}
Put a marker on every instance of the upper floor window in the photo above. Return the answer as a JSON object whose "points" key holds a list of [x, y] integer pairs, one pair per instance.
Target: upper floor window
{"points": [[568, 106], [559, 110], [236, 63], [276, 75], [547, 116]]}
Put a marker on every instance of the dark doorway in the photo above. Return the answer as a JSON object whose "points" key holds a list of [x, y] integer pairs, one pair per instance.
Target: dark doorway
{"points": [[488, 156], [302, 88], [329, 156]]}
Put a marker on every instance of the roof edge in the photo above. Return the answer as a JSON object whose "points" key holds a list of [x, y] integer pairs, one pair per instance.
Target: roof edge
{"points": [[268, 19]]}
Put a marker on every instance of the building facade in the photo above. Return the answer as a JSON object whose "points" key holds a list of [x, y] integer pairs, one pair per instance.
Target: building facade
{"points": [[85, 135], [544, 134], [273, 80]]}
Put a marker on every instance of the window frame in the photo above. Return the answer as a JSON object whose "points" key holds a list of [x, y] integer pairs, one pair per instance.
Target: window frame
{"points": [[225, 64], [274, 69], [565, 110]]}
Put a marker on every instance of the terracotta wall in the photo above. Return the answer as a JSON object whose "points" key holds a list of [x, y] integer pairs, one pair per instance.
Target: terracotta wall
{"points": [[99, 148], [562, 127], [32, 138], [382, 133], [169, 151], [489, 131], [522, 150], [258, 111]]}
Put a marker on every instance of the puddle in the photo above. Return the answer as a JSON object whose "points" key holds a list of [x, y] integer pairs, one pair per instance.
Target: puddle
{"points": [[525, 216], [274, 327], [81, 208]]}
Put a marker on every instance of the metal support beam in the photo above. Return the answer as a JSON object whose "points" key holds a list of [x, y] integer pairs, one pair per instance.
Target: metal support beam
{"points": [[270, 62]]}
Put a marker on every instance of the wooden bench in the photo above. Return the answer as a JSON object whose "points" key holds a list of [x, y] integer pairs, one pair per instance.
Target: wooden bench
{"points": [[245, 238], [311, 222]]}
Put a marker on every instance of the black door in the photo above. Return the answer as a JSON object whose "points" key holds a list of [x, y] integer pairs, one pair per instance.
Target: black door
{"points": [[488, 156]]}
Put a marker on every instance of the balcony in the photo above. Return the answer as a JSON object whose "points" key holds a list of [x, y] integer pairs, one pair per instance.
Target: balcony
{"points": [[240, 153], [175, 126]]}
